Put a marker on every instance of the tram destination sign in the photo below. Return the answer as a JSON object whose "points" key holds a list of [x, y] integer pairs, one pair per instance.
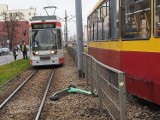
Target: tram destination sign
{"points": [[42, 25]]}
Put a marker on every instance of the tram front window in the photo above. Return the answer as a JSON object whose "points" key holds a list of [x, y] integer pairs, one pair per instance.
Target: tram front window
{"points": [[157, 19], [44, 39]]}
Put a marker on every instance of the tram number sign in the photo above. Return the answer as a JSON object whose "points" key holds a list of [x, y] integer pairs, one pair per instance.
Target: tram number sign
{"points": [[44, 57], [43, 25]]}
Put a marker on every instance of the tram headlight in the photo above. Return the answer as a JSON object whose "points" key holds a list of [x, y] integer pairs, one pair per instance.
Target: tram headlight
{"points": [[53, 51], [35, 52]]}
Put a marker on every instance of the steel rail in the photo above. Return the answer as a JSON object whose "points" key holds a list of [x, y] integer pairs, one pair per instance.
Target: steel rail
{"points": [[12, 94], [44, 97]]}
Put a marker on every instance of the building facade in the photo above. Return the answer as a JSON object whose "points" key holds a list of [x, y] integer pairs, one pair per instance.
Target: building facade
{"points": [[22, 30]]}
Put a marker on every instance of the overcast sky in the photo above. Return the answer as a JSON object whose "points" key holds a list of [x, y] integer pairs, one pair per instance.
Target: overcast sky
{"points": [[62, 5]]}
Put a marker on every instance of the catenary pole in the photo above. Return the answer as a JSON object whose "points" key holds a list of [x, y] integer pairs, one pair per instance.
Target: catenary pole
{"points": [[79, 25], [66, 29]]}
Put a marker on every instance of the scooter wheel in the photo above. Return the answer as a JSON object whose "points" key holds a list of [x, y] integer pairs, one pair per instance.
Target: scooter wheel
{"points": [[54, 98]]}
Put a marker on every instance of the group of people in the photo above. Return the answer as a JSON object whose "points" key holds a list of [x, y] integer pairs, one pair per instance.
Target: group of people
{"points": [[24, 50]]}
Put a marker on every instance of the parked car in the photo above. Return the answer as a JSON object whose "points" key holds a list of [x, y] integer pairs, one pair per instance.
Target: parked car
{"points": [[0, 51], [5, 51]]}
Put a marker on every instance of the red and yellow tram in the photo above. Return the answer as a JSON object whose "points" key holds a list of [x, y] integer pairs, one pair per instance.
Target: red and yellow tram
{"points": [[125, 34]]}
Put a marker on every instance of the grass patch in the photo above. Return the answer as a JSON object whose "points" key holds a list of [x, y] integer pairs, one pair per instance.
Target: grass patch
{"points": [[10, 70]]}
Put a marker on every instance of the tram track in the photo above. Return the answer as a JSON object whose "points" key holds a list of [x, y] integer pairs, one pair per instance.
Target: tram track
{"points": [[28, 102], [44, 97], [7, 88], [16, 90]]}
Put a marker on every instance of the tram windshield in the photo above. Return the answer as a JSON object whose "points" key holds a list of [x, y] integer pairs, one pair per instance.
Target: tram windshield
{"points": [[44, 39]]}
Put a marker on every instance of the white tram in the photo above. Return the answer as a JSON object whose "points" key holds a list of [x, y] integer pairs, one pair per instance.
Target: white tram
{"points": [[45, 41]]}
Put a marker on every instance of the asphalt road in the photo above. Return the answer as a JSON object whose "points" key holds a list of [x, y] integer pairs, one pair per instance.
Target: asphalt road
{"points": [[5, 59]]}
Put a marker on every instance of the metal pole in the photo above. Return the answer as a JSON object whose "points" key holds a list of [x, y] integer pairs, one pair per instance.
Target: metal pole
{"points": [[66, 29], [22, 33], [122, 96], [79, 25], [64, 35]]}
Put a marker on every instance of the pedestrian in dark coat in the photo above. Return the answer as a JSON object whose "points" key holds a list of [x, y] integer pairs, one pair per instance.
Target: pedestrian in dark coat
{"points": [[15, 53]]}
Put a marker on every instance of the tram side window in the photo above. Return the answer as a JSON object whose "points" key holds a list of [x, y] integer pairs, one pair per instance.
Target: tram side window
{"points": [[59, 40], [114, 19], [100, 34], [103, 15], [92, 29], [89, 29], [95, 26], [106, 21], [157, 19], [136, 19]]}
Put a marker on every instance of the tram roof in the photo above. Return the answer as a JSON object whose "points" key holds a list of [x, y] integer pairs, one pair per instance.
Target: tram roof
{"points": [[36, 18], [96, 6]]}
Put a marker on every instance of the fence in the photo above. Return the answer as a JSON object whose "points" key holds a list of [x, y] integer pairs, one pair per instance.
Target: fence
{"points": [[109, 83], [73, 53]]}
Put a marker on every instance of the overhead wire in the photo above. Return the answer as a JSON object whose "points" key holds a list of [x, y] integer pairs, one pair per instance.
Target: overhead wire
{"points": [[47, 2]]}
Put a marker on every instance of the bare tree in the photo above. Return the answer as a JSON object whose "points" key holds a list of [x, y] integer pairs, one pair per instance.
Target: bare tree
{"points": [[11, 24]]}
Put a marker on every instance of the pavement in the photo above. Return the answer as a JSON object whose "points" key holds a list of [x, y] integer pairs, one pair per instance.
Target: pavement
{"points": [[5, 59]]}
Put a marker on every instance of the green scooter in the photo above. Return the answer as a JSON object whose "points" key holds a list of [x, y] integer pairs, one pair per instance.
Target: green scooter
{"points": [[71, 89]]}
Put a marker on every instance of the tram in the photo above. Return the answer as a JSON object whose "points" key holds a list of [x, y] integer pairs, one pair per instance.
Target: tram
{"points": [[45, 41], [125, 34]]}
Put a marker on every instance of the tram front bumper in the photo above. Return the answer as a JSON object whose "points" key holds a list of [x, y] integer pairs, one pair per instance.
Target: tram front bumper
{"points": [[44, 62]]}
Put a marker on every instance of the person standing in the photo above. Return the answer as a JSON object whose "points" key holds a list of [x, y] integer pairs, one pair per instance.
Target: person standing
{"points": [[24, 51], [15, 53]]}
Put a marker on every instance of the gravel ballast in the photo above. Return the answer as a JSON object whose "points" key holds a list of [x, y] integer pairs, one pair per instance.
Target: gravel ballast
{"points": [[73, 106]]}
